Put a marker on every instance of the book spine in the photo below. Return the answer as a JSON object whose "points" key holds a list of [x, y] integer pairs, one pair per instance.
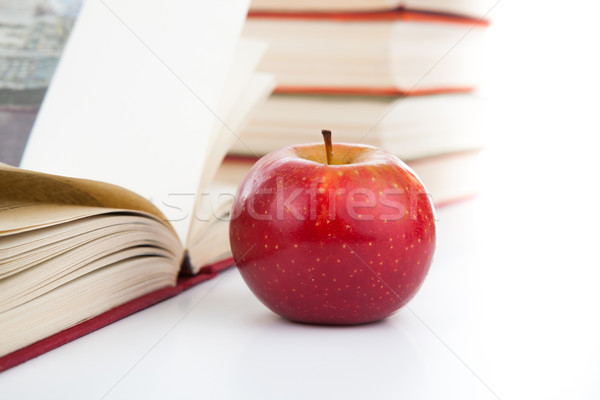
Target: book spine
{"points": [[399, 14], [369, 91]]}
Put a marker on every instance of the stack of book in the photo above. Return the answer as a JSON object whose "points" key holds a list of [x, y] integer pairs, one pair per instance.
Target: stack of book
{"points": [[398, 75]]}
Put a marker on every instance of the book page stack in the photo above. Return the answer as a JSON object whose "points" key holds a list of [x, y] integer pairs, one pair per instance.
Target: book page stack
{"points": [[401, 75]]}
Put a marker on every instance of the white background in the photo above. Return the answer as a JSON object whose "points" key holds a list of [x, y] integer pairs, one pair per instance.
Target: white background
{"points": [[508, 311]]}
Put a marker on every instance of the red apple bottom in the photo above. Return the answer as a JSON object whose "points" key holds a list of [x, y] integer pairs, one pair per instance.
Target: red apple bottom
{"points": [[341, 244]]}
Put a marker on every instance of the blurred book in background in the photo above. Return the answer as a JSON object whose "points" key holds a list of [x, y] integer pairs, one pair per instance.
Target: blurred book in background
{"points": [[380, 52], [411, 127], [376, 72], [457, 182], [472, 8]]}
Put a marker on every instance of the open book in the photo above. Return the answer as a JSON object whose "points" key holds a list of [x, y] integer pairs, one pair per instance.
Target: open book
{"points": [[110, 211]]}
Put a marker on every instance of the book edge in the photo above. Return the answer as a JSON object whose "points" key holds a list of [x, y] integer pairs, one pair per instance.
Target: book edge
{"points": [[398, 14], [56, 340]]}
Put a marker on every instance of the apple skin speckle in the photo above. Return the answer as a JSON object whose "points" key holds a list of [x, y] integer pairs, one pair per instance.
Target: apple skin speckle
{"points": [[319, 263]]}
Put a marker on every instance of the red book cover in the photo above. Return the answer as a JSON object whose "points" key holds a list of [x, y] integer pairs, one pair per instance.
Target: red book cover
{"points": [[362, 91], [108, 317]]}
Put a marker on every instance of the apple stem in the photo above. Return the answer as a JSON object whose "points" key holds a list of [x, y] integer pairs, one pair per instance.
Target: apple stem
{"points": [[328, 147]]}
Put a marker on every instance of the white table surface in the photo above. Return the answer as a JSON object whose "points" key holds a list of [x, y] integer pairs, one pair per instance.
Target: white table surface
{"points": [[509, 309]]}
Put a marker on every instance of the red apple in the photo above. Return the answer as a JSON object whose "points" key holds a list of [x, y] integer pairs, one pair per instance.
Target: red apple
{"points": [[343, 243]]}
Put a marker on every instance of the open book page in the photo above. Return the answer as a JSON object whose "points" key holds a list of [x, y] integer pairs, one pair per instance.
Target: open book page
{"points": [[236, 107], [80, 299], [134, 98], [35, 262], [43, 216], [209, 235], [240, 94], [72, 248], [21, 186], [209, 239]]}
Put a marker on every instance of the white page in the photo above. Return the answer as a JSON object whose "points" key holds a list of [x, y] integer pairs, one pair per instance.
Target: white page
{"points": [[134, 97]]}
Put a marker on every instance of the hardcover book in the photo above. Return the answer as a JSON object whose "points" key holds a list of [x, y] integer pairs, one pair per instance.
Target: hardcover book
{"points": [[108, 213], [410, 127], [380, 52]]}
